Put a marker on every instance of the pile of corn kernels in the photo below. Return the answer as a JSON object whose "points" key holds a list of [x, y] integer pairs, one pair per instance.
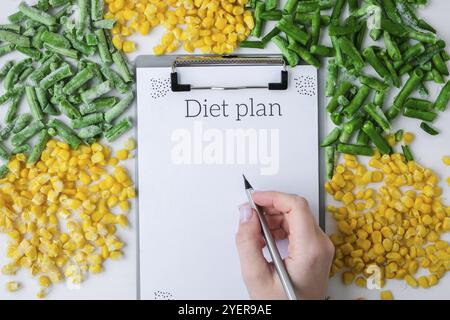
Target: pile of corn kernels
{"points": [[60, 214], [212, 26], [396, 228]]}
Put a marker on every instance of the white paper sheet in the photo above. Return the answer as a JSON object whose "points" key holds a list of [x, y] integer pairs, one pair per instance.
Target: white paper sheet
{"points": [[188, 213]]}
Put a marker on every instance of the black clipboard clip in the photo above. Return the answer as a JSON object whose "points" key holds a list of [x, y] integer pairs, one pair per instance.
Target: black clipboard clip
{"points": [[241, 60]]}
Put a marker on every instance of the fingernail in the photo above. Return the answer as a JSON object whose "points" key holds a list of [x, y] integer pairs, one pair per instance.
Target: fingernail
{"points": [[245, 213]]}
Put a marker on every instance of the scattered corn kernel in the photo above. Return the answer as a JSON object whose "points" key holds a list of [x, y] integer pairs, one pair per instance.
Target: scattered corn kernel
{"points": [[386, 295], [408, 138], [217, 25], [12, 286], [122, 154], [44, 281], [396, 228]]}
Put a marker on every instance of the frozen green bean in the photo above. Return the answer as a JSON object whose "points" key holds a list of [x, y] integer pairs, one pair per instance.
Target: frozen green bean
{"points": [[392, 48], [293, 31], [84, 21], [290, 56], [6, 131], [104, 24], [38, 74], [407, 153], [115, 78], [21, 122], [4, 154], [80, 46], [6, 48], [80, 79], [376, 138], [33, 103], [331, 138], [349, 128], [15, 38], [349, 49], [119, 108], [443, 98], [85, 121], [98, 105], [25, 148], [353, 149], [27, 133], [117, 130], [357, 102], [342, 89], [412, 83], [322, 51], [90, 132], [332, 76], [59, 74], [67, 108], [14, 73], [304, 54], [330, 159], [373, 83], [55, 39], [378, 116], [97, 91], [37, 15], [419, 104], [36, 152], [66, 133], [428, 116], [97, 10], [370, 56], [103, 47], [12, 110], [70, 53]]}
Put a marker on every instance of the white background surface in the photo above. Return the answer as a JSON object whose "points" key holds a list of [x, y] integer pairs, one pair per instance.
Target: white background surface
{"points": [[122, 274]]}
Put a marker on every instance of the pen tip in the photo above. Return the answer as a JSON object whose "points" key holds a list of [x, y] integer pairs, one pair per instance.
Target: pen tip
{"points": [[246, 183]]}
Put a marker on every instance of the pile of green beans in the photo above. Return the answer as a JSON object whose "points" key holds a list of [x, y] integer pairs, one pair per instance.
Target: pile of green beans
{"points": [[58, 78], [403, 46]]}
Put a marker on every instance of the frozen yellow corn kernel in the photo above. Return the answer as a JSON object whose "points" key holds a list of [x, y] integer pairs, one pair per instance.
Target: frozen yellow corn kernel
{"points": [[159, 50], [122, 220], [13, 286], [97, 157], [42, 293], [130, 145], [446, 160], [95, 268], [348, 198], [361, 282], [423, 282], [347, 278], [249, 21], [115, 255], [44, 281], [386, 295], [124, 206], [122, 154], [117, 42], [408, 138], [129, 46]]}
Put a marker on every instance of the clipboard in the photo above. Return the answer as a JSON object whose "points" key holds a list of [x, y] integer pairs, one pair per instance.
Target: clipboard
{"points": [[202, 122]]}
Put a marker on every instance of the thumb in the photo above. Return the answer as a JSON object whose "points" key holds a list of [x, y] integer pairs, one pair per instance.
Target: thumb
{"points": [[249, 241]]}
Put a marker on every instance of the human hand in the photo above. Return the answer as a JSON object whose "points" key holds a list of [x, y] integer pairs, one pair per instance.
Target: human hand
{"points": [[310, 252]]}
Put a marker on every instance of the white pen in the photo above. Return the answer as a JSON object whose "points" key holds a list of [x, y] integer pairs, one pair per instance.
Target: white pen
{"points": [[271, 245]]}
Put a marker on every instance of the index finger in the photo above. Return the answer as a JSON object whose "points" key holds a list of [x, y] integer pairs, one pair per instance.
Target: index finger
{"points": [[282, 202]]}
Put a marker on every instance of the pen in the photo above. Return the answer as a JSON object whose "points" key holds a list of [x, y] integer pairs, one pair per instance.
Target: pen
{"points": [[271, 245]]}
